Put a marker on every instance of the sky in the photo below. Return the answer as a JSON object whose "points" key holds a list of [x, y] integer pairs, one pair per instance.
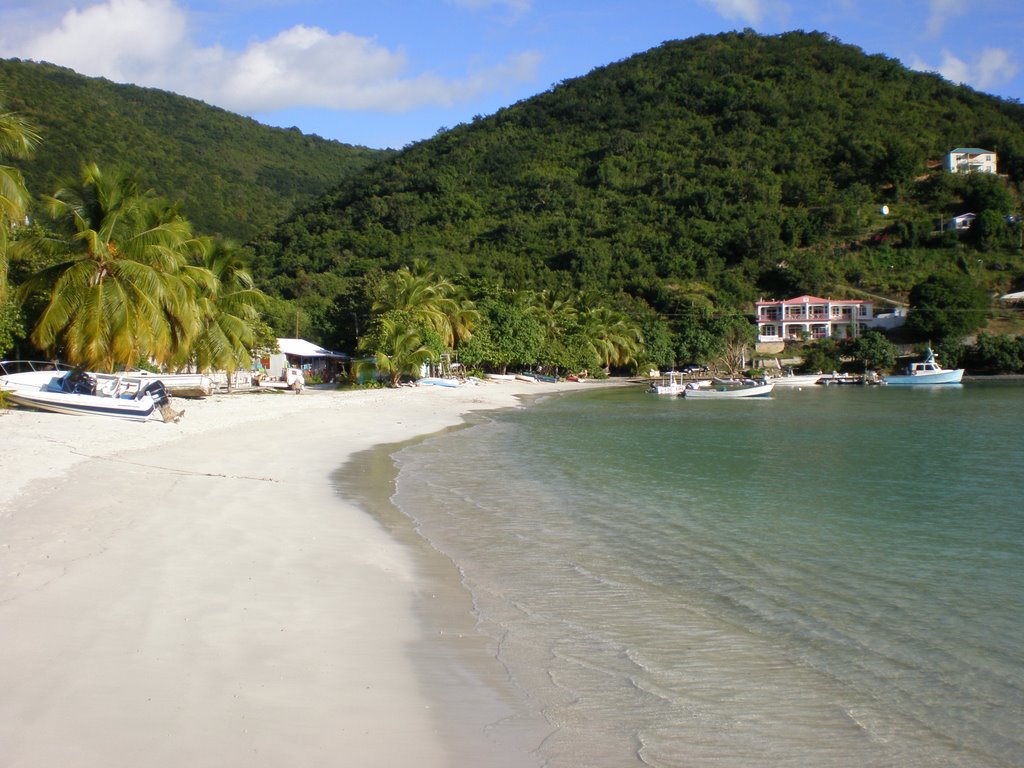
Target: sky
{"points": [[388, 73]]}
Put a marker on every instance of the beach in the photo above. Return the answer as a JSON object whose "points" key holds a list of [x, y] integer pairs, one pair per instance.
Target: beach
{"points": [[203, 594]]}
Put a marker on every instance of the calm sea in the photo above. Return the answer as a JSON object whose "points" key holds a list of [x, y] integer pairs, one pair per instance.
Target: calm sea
{"points": [[832, 577]]}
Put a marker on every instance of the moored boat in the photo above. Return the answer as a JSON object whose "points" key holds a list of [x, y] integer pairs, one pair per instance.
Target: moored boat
{"points": [[797, 379], [724, 392], [927, 371], [671, 383]]}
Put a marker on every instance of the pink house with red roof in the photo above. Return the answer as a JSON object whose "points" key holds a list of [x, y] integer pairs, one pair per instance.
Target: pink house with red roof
{"points": [[812, 318]]}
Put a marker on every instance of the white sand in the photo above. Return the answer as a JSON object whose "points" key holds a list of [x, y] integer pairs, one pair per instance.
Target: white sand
{"points": [[198, 594]]}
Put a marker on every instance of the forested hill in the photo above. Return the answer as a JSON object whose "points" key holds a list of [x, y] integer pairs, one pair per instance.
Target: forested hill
{"points": [[233, 175], [705, 171]]}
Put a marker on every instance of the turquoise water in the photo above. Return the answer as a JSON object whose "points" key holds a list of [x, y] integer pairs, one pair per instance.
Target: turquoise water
{"points": [[832, 577]]}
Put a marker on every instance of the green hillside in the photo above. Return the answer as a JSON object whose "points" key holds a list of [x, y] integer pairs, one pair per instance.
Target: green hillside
{"points": [[232, 175], [702, 173]]}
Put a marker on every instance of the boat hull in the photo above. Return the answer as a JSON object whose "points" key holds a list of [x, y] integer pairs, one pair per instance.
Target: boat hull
{"points": [[432, 381], [721, 393], [926, 379], [188, 385], [797, 380], [85, 405]]}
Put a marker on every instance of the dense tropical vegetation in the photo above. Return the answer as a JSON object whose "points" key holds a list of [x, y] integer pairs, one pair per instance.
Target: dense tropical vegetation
{"points": [[624, 219], [232, 176], [685, 182]]}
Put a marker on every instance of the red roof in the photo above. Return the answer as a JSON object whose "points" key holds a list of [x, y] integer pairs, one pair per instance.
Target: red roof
{"points": [[812, 300]]}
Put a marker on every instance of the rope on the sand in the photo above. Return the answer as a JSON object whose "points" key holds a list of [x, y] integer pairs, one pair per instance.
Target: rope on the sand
{"points": [[175, 470]]}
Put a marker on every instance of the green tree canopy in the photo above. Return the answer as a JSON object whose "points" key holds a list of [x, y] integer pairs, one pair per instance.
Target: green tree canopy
{"points": [[17, 140], [947, 306], [874, 351], [118, 290]]}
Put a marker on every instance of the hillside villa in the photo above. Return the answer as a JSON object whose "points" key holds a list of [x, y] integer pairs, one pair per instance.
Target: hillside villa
{"points": [[809, 317], [971, 160]]}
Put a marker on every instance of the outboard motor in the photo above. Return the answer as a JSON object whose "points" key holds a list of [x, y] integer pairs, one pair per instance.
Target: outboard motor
{"points": [[161, 399], [157, 391]]}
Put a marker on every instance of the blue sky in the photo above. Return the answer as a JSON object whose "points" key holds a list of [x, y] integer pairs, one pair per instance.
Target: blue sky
{"points": [[388, 73]]}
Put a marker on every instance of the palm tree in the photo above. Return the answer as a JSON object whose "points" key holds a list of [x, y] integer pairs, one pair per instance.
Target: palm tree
{"points": [[229, 308], [430, 299], [555, 313], [397, 347], [614, 337], [118, 291], [17, 139]]}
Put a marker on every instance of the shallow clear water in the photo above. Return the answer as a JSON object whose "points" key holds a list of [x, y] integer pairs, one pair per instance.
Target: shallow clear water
{"points": [[831, 577]]}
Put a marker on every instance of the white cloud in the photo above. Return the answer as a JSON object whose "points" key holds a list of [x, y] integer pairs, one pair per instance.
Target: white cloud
{"points": [[942, 11], [115, 39], [147, 42], [306, 66], [995, 66], [747, 11], [990, 69]]}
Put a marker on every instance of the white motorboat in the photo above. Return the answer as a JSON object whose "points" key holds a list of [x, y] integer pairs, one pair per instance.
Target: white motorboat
{"points": [[54, 388], [670, 384], [797, 379], [725, 392], [926, 372], [177, 384]]}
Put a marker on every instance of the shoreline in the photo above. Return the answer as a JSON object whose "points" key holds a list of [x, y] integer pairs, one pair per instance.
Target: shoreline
{"points": [[203, 593]]}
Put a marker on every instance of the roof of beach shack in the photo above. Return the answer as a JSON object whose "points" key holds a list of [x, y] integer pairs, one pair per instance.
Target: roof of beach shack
{"points": [[303, 348]]}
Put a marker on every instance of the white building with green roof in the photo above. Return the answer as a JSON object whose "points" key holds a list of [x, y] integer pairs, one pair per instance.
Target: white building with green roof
{"points": [[971, 160]]}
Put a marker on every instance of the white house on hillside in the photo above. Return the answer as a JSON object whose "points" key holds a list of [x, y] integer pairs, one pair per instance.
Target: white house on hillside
{"points": [[808, 317], [963, 221], [971, 160]]}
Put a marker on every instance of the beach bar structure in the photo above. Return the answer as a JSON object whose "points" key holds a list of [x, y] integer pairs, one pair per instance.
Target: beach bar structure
{"points": [[312, 359], [809, 317]]}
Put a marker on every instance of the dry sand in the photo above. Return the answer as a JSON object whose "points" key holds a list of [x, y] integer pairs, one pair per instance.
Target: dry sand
{"points": [[199, 594]]}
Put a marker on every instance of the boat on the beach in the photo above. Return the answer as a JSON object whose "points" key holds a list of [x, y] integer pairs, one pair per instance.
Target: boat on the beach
{"points": [[927, 371], [177, 384], [436, 381], [728, 392], [57, 389]]}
